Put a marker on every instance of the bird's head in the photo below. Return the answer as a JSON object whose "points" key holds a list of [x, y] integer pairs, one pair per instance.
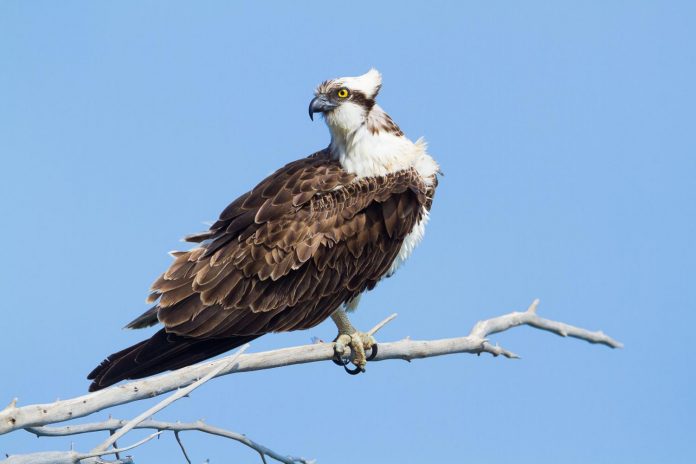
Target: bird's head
{"points": [[346, 102]]}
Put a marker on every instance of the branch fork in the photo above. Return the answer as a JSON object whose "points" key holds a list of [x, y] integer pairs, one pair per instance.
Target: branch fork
{"points": [[35, 418]]}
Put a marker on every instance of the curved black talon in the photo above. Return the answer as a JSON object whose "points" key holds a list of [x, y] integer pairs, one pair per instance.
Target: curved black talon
{"points": [[340, 360], [354, 371], [373, 354]]}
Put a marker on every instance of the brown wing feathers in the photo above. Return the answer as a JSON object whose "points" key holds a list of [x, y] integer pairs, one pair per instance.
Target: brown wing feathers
{"points": [[281, 257]]}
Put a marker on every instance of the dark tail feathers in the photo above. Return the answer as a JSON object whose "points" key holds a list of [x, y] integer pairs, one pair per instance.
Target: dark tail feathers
{"points": [[162, 352]]}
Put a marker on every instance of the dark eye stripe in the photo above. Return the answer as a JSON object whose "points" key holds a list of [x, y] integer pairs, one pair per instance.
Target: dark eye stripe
{"points": [[362, 100]]}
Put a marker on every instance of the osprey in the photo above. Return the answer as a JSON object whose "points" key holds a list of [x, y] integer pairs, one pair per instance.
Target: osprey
{"points": [[300, 247]]}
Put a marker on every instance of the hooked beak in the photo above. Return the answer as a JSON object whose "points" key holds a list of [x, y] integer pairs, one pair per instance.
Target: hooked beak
{"points": [[320, 104]]}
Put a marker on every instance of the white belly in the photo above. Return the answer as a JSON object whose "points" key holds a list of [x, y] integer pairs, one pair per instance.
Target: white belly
{"points": [[410, 242]]}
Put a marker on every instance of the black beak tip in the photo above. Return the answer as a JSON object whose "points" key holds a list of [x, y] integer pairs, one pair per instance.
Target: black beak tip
{"points": [[320, 104], [313, 107]]}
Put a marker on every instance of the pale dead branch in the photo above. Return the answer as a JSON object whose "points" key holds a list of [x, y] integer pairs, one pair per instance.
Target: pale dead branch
{"points": [[34, 417]]}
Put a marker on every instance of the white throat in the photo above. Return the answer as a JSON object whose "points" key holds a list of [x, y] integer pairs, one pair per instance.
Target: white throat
{"points": [[366, 145]]}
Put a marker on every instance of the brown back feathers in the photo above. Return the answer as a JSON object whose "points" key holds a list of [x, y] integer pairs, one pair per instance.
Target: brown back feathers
{"points": [[288, 253], [282, 257]]}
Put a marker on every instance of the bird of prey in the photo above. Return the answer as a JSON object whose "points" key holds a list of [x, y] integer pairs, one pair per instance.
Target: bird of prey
{"points": [[298, 248]]}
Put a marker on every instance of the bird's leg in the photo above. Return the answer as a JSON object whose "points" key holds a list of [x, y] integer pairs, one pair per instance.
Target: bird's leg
{"points": [[358, 342]]}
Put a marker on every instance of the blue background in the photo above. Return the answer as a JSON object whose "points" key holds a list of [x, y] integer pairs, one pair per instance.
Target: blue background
{"points": [[566, 133]]}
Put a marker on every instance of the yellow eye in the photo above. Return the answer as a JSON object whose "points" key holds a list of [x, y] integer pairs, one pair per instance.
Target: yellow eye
{"points": [[342, 93]]}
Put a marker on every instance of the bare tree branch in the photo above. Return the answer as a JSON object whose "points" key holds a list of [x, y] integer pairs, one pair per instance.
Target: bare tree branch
{"points": [[181, 445], [176, 427], [97, 453], [14, 418], [189, 378], [167, 401], [73, 457]]}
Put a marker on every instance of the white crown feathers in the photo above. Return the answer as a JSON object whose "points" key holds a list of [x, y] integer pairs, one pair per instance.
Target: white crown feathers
{"points": [[369, 83]]}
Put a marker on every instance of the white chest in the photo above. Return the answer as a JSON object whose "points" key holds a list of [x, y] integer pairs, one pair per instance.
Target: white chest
{"points": [[368, 154]]}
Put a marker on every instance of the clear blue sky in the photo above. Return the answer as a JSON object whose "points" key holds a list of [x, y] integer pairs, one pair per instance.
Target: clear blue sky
{"points": [[566, 133]]}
